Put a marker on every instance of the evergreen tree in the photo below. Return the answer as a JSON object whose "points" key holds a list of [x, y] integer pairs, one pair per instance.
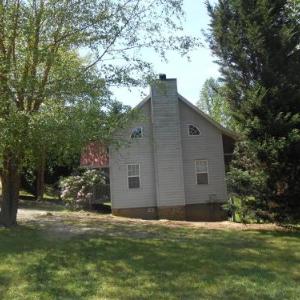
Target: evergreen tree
{"points": [[257, 43]]}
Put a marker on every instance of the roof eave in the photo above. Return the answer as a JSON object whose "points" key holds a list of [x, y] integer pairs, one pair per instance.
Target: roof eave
{"points": [[139, 105], [224, 130]]}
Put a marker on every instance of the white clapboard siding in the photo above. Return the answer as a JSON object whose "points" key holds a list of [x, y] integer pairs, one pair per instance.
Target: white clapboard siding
{"points": [[139, 151], [166, 154], [167, 144], [208, 146]]}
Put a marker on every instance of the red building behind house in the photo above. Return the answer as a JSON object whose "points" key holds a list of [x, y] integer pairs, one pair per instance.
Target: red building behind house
{"points": [[95, 155]]}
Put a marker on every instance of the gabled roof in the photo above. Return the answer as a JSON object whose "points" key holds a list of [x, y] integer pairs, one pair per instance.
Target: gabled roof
{"points": [[139, 105], [224, 130]]}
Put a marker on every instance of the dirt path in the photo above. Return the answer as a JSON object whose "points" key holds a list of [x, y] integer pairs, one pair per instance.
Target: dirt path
{"points": [[66, 224]]}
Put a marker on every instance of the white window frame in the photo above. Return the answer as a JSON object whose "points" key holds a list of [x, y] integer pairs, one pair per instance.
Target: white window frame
{"points": [[131, 176], [196, 172], [188, 130], [142, 131]]}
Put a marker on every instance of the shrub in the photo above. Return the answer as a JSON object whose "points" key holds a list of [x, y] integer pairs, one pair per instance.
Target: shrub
{"points": [[78, 191]]}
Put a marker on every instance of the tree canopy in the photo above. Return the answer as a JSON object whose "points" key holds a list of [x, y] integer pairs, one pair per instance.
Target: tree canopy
{"points": [[257, 44], [213, 102], [57, 61]]}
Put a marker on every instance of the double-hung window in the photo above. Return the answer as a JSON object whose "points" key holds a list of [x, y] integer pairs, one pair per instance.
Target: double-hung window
{"points": [[201, 171], [133, 172]]}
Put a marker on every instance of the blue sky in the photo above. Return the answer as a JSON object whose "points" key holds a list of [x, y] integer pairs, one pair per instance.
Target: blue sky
{"points": [[190, 74]]}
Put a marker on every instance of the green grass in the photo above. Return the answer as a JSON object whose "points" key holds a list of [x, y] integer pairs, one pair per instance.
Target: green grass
{"points": [[149, 262], [45, 205], [49, 195]]}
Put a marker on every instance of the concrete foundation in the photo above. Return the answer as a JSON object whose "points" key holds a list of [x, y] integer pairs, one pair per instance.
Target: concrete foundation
{"points": [[209, 212], [205, 212], [146, 213], [171, 212]]}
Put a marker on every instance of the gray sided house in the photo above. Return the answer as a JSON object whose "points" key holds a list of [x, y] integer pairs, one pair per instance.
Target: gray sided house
{"points": [[174, 164]]}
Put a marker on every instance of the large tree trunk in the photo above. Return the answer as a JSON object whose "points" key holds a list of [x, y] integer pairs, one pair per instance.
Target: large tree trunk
{"points": [[40, 178], [10, 178]]}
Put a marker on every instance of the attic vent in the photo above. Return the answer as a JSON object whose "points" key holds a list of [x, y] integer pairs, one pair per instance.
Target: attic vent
{"points": [[162, 76]]}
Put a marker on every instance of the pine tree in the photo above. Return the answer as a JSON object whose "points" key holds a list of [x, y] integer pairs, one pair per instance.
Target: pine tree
{"points": [[257, 43]]}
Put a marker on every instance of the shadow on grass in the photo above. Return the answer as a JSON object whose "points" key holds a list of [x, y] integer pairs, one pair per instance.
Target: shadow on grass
{"points": [[102, 208], [153, 262], [44, 205], [59, 206]]}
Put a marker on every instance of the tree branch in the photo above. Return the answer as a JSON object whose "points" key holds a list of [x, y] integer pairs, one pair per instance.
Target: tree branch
{"points": [[112, 42]]}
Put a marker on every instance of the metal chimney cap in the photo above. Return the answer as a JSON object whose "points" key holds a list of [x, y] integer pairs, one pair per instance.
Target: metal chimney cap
{"points": [[162, 76]]}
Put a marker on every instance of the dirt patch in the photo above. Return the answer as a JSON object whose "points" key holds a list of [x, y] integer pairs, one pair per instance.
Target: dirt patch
{"points": [[68, 224]]}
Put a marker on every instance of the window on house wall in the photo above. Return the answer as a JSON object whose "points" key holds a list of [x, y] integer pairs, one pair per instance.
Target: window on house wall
{"points": [[201, 170], [193, 130], [133, 176], [137, 133]]}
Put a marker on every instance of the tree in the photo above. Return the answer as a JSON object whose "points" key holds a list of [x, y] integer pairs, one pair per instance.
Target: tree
{"points": [[55, 125], [213, 102], [246, 181], [257, 45], [38, 37]]}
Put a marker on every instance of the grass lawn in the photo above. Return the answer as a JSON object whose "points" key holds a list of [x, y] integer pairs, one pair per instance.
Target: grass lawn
{"points": [[49, 194], [131, 260]]}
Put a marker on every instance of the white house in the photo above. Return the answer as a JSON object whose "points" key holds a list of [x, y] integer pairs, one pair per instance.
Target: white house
{"points": [[173, 166]]}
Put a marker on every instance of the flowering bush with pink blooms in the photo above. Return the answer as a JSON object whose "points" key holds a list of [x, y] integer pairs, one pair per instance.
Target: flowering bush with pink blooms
{"points": [[78, 191]]}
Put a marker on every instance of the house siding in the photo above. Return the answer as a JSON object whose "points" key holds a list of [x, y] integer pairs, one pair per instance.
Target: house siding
{"points": [[139, 151], [208, 146], [166, 155], [167, 144]]}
